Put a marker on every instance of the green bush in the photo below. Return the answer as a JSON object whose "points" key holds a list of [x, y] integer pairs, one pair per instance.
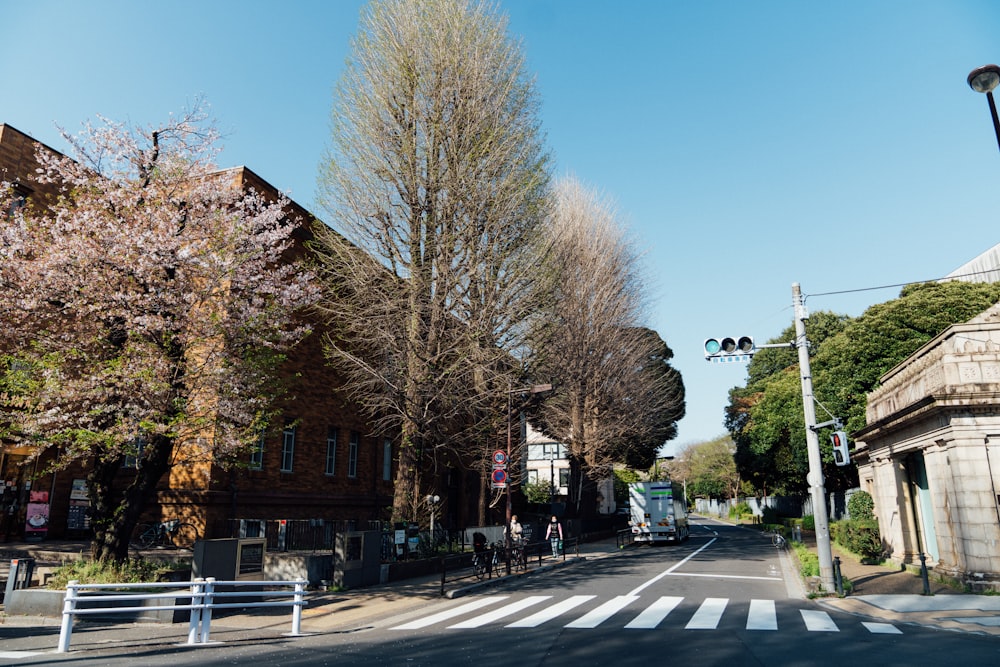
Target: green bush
{"points": [[738, 510], [860, 536], [808, 561], [131, 571], [861, 506], [808, 522]]}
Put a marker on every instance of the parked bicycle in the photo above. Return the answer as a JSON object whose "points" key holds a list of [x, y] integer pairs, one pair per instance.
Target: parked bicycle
{"points": [[518, 558], [174, 533]]}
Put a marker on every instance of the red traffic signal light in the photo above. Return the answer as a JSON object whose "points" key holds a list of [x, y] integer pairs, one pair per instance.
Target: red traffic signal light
{"points": [[841, 453]]}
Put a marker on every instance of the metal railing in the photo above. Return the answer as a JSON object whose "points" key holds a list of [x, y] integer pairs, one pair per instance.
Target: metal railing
{"points": [[461, 567], [203, 599]]}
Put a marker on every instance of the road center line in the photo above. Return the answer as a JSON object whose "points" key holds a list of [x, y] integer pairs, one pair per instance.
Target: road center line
{"points": [[670, 571]]}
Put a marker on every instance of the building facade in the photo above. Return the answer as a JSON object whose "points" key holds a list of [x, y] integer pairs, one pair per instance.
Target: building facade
{"points": [[930, 454], [325, 463]]}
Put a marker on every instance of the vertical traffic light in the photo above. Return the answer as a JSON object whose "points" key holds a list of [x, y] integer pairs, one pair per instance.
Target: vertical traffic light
{"points": [[841, 455]]}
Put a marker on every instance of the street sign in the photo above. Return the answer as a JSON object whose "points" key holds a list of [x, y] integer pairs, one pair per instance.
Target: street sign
{"points": [[731, 359], [499, 457], [499, 476]]}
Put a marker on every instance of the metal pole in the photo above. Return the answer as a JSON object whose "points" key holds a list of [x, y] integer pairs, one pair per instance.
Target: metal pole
{"points": [[815, 477], [993, 112], [69, 607], [506, 531]]}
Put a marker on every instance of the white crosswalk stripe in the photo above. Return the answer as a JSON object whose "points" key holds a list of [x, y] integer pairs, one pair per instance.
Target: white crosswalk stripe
{"points": [[502, 612], [602, 613], [654, 613], [708, 615], [551, 612], [818, 621], [761, 616]]}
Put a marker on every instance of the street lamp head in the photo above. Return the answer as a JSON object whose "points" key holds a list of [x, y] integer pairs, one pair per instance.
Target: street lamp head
{"points": [[984, 79]]}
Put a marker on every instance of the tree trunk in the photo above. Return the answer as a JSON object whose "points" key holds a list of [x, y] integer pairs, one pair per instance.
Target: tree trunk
{"points": [[116, 511]]}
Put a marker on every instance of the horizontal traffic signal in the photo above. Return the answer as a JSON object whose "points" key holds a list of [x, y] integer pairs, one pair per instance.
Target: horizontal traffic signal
{"points": [[729, 346]]}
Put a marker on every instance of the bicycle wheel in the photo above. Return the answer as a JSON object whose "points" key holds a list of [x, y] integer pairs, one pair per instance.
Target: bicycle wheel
{"points": [[498, 566], [184, 536], [519, 561], [479, 567], [147, 535]]}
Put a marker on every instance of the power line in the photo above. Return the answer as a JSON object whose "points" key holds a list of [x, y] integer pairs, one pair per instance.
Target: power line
{"points": [[914, 282]]}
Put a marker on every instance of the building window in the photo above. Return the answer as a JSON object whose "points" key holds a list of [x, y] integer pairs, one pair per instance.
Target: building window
{"points": [[134, 453], [563, 477], [331, 451], [18, 200], [257, 453], [352, 455], [287, 448], [532, 476], [387, 459]]}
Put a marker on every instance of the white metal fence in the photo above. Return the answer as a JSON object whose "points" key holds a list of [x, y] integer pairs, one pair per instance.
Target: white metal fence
{"points": [[202, 593]]}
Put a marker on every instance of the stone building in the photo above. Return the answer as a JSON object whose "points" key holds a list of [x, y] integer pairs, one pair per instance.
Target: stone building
{"points": [[330, 465], [930, 454]]}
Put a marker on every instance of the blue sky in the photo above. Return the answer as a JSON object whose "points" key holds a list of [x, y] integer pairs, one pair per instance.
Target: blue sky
{"points": [[748, 145]]}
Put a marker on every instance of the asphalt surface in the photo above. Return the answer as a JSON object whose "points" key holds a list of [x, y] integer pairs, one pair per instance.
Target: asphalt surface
{"points": [[877, 592]]}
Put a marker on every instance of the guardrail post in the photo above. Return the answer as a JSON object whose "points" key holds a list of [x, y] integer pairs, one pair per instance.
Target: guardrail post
{"points": [[69, 606], [300, 587], [197, 606], [206, 617]]}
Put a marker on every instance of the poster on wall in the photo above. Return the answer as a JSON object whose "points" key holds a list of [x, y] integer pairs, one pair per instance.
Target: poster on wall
{"points": [[78, 517], [36, 523]]}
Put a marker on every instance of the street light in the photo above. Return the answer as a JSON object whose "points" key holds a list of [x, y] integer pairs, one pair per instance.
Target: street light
{"points": [[983, 80]]}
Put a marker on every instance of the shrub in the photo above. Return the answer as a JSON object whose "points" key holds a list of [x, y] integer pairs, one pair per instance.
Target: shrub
{"points": [[739, 509], [808, 561], [808, 522], [131, 571], [861, 506]]}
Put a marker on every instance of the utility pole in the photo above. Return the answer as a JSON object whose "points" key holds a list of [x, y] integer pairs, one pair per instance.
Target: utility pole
{"points": [[815, 477]]}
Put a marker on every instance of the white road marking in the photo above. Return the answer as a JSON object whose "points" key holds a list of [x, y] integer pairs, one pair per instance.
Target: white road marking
{"points": [[818, 621], [594, 618], [708, 615], [882, 628], [449, 613], [502, 612], [762, 615], [654, 613], [551, 612], [652, 581]]}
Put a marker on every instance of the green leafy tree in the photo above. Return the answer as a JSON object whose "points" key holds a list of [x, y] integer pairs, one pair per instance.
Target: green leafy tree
{"points": [[847, 356]]}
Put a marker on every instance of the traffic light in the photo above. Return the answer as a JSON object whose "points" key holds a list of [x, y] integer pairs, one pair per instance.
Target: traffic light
{"points": [[739, 348], [841, 455]]}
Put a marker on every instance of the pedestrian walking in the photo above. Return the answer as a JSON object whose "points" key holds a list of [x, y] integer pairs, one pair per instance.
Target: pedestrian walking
{"points": [[554, 534], [516, 531]]}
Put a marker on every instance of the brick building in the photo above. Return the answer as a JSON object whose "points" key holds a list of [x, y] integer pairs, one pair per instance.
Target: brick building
{"points": [[329, 465]]}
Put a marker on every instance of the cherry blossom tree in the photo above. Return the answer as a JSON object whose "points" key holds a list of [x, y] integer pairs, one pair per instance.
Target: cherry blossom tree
{"points": [[146, 311]]}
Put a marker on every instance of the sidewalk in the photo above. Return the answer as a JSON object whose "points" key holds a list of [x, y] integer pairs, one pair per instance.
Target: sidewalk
{"points": [[894, 595]]}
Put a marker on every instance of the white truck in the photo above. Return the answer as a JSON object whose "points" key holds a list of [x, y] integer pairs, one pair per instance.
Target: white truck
{"points": [[657, 514]]}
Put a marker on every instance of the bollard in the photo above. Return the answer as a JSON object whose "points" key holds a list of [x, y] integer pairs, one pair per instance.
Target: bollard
{"points": [[69, 606], [300, 588], [197, 607], [923, 574], [837, 578], [206, 616]]}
